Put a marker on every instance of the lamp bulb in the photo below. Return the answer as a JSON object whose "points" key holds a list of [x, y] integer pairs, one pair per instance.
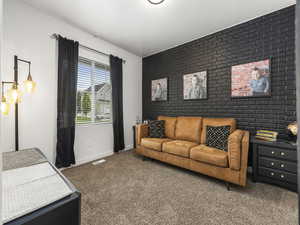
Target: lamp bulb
{"points": [[4, 107], [29, 86], [14, 95]]}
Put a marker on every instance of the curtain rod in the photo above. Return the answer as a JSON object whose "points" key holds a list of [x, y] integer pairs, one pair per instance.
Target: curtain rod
{"points": [[55, 36]]}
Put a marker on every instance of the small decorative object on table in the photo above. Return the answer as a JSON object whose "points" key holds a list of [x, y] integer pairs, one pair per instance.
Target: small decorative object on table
{"points": [[266, 135], [292, 130], [137, 121]]}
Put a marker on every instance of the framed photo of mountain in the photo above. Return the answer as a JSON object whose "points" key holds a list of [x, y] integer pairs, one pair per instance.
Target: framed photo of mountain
{"points": [[159, 90], [251, 79]]}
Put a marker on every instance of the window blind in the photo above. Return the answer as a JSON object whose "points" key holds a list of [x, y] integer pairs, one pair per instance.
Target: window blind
{"points": [[93, 92]]}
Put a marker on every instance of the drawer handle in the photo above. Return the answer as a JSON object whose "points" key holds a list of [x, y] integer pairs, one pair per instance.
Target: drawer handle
{"points": [[273, 152], [282, 176], [272, 174], [272, 164], [282, 153], [282, 165]]}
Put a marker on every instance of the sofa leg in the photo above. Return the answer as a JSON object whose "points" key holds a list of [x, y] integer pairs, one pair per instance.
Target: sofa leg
{"points": [[228, 186]]}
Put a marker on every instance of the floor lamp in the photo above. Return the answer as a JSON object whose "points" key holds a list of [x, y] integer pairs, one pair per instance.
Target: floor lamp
{"points": [[13, 96]]}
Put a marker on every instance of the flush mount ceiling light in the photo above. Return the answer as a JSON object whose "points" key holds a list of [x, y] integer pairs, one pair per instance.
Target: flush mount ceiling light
{"points": [[156, 2]]}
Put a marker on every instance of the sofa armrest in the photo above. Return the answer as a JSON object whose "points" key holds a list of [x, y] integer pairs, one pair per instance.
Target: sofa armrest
{"points": [[244, 158], [235, 149], [142, 131]]}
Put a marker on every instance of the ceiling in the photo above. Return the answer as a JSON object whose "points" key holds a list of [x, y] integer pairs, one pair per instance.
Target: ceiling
{"points": [[144, 29]]}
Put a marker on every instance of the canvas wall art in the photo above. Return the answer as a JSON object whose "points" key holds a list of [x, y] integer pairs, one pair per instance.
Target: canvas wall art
{"points": [[251, 79], [195, 86], [159, 89]]}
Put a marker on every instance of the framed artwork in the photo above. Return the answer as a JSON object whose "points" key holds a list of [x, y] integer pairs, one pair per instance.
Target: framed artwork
{"points": [[195, 86], [251, 79], [159, 90]]}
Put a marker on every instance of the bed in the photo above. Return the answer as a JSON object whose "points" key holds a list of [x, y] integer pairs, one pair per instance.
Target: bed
{"points": [[35, 192]]}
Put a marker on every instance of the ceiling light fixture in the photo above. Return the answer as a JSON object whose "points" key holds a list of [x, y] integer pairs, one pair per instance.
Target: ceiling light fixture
{"points": [[156, 2]]}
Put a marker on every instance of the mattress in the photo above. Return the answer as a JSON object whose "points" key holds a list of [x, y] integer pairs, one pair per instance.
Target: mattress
{"points": [[23, 158], [29, 188]]}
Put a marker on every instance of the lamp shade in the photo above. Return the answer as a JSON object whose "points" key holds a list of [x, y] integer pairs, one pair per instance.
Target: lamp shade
{"points": [[14, 94], [4, 106], [29, 84]]}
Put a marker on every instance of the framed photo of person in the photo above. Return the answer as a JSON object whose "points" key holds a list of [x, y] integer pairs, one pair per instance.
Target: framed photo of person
{"points": [[159, 90], [195, 86], [251, 79]]}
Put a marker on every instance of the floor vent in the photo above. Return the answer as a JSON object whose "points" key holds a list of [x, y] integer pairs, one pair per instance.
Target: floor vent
{"points": [[98, 162]]}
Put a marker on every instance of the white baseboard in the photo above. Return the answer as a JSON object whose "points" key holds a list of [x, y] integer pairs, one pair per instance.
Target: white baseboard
{"points": [[93, 158], [90, 159], [128, 147]]}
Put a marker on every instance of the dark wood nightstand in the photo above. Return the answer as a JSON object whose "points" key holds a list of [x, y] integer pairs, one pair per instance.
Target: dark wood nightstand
{"points": [[275, 163]]}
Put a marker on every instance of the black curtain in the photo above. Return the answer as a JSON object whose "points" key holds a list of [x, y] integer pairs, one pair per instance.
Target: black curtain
{"points": [[66, 101], [116, 71]]}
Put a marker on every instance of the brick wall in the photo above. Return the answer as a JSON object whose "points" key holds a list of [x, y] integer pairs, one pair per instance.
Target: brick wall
{"points": [[272, 35]]}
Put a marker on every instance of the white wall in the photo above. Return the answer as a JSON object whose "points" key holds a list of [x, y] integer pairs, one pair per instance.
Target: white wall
{"points": [[1, 28], [27, 33]]}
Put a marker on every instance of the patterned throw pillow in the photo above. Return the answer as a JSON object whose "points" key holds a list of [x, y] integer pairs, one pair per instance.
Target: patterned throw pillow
{"points": [[217, 137], [157, 128]]}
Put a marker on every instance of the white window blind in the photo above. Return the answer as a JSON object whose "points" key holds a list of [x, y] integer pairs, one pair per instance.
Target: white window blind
{"points": [[93, 92]]}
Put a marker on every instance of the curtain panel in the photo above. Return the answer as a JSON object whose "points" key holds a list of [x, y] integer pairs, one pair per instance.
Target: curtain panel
{"points": [[116, 71], [66, 101]]}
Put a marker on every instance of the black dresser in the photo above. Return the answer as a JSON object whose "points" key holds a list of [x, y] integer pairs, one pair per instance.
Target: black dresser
{"points": [[275, 163]]}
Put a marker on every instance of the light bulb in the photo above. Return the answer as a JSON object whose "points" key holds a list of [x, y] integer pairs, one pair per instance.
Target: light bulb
{"points": [[14, 94], [4, 106], [29, 84]]}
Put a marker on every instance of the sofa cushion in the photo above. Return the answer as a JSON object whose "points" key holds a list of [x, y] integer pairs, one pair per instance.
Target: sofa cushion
{"points": [[154, 143], [217, 137], [157, 129], [205, 154], [216, 122], [188, 128], [170, 123], [178, 147]]}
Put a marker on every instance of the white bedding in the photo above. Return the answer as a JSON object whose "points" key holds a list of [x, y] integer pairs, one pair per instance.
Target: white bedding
{"points": [[30, 188]]}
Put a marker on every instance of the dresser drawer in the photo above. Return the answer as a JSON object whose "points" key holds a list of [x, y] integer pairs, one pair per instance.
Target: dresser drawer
{"points": [[277, 153], [278, 175], [278, 164]]}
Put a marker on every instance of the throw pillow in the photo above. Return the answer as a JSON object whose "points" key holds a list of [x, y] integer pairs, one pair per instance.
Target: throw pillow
{"points": [[157, 129], [217, 137]]}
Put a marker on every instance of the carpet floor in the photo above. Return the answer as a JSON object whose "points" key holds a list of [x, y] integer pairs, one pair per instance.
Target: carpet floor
{"points": [[128, 191]]}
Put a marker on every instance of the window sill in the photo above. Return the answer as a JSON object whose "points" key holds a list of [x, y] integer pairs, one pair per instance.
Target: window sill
{"points": [[92, 124]]}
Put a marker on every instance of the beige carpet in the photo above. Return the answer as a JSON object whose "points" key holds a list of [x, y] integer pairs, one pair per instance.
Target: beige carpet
{"points": [[128, 191]]}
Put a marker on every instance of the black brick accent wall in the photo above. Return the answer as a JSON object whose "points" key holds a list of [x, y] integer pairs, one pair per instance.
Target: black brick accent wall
{"points": [[272, 35]]}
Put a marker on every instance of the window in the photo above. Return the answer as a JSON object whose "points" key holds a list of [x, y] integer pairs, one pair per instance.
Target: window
{"points": [[93, 92]]}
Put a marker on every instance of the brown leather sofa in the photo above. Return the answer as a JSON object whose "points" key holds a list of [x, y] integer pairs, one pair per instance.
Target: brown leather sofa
{"points": [[185, 146]]}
